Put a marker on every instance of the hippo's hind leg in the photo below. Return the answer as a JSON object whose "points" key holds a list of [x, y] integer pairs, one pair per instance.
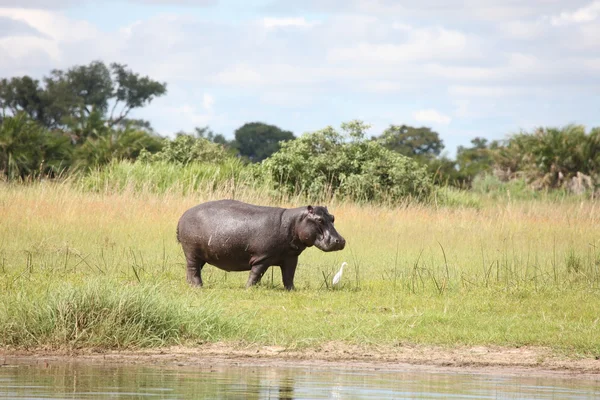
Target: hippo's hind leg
{"points": [[194, 266], [194, 271]]}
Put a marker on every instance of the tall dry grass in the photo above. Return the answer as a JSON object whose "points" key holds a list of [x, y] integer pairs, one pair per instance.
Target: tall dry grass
{"points": [[507, 273]]}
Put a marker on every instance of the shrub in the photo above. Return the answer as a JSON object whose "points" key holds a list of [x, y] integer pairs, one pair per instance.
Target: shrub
{"points": [[185, 149], [329, 163]]}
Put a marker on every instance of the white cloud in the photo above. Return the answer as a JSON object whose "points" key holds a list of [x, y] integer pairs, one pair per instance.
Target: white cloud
{"points": [[592, 64], [455, 10], [523, 61], [460, 73], [485, 91], [208, 102], [511, 67], [431, 116], [201, 3], [21, 46], [62, 4], [524, 30], [587, 39], [189, 116], [271, 23], [422, 44], [39, 4], [588, 13], [401, 26], [52, 24], [239, 75], [11, 27], [128, 29], [285, 99], [385, 86], [462, 108]]}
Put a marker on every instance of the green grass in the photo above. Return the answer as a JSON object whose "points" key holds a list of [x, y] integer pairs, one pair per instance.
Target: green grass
{"points": [[105, 313], [103, 269], [161, 177]]}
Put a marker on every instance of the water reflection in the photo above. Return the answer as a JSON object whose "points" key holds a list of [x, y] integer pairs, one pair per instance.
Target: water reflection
{"points": [[84, 380]]}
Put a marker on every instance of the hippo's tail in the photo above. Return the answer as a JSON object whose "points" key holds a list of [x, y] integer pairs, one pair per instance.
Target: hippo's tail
{"points": [[178, 240]]}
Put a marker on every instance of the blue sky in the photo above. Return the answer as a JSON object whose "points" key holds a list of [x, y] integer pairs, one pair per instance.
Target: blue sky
{"points": [[465, 68]]}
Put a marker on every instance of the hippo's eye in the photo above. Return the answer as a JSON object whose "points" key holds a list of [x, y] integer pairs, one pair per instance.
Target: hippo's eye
{"points": [[319, 220]]}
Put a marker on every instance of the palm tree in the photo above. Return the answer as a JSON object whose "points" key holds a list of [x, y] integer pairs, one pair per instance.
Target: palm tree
{"points": [[20, 146], [28, 149], [116, 144]]}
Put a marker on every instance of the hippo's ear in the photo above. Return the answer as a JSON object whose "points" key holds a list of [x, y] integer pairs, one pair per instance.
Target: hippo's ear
{"points": [[310, 210]]}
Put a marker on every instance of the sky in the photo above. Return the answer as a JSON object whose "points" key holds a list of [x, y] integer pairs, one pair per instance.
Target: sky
{"points": [[465, 68]]}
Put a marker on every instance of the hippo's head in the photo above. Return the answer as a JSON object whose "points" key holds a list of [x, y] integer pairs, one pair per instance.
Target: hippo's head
{"points": [[316, 228]]}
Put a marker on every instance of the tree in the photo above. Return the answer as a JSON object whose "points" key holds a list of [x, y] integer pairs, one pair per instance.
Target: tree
{"points": [[22, 95], [475, 160], [116, 144], [140, 124], [132, 91], [208, 134], [412, 142], [69, 98], [551, 157], [84, 108], [258, 141], [27, 149], [444, 171]]}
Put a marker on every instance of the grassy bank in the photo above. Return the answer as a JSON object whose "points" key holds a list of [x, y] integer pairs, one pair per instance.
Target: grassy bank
{"points": [[103, 269]]}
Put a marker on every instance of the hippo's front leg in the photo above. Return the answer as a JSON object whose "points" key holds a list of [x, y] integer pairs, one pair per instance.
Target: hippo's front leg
{"points": [[256, 274], [288, 269]]}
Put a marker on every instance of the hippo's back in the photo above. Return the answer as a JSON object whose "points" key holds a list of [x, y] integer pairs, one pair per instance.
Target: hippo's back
{"points": [[226, 217]]}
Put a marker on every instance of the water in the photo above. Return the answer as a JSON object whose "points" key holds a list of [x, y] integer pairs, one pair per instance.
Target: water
{"points": [[39, 380]]}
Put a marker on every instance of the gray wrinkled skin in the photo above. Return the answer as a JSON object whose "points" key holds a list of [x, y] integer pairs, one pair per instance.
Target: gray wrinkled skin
{"points": [[236, 236]]}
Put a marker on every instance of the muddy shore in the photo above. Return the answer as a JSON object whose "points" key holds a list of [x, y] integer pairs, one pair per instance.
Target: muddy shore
{"points": [[478, 359]]}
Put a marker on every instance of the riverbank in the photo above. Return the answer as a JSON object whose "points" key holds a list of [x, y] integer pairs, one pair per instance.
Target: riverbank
{"points": [[523, 361]]}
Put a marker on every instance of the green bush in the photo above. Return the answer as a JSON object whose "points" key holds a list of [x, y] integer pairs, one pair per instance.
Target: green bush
{"points": [[185, 149], [329, 163]]}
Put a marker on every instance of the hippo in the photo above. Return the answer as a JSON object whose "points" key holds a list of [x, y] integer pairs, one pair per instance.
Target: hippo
{"points": [[236, 236]]}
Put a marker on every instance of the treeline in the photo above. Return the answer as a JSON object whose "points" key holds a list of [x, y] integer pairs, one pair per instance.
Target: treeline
{"points": [[78, 120]]}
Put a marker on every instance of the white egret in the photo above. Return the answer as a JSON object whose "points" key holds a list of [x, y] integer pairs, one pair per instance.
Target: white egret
{"points": [[338, 276]]}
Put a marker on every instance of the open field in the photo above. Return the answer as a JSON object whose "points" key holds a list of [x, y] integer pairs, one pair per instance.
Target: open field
{"points": [[103, 270]]}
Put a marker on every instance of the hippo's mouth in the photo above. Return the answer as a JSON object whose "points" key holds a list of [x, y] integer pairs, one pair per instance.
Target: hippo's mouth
{"points": [[330, 245]]}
